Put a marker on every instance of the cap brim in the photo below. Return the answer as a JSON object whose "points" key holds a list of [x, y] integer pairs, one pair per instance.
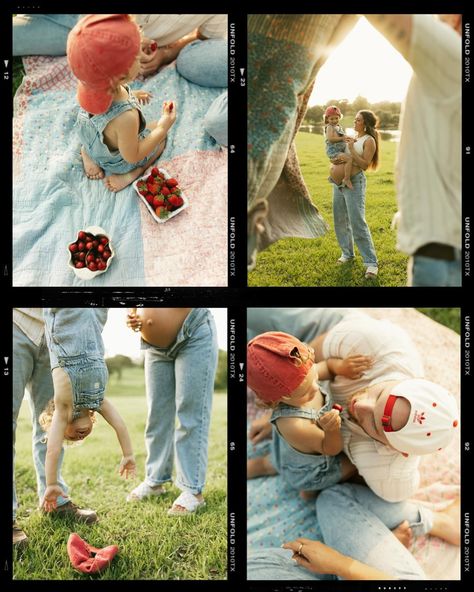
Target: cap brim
{"points": [[95, 101]]}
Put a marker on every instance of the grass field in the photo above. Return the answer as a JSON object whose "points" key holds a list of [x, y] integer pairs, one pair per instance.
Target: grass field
{"points": [[152, 545], [312, 262]]}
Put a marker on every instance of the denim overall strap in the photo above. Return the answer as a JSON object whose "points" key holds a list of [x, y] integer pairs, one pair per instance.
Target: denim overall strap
{"points": [[100, 122], [284, 410]]}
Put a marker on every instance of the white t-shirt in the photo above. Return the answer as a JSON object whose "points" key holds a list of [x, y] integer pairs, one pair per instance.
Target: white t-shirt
{"points": [[428, 168], [168, 28], [389, 474]]}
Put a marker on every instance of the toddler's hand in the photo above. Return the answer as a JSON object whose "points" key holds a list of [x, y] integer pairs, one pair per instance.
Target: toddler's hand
{"points": [[128, 466], [168, 116], [50, 497], [330, 421], [143, 96], [354, 366]]}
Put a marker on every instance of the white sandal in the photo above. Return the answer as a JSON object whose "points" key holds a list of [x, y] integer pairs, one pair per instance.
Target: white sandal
{"points": [[188, 501], [143, 491]]}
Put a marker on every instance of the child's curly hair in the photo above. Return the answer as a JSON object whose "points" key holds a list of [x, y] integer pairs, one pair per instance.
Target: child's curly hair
{"points": [[46, 418]]}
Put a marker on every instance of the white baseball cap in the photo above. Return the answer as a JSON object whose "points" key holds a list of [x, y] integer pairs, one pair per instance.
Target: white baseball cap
{"points": [[433, 418]]}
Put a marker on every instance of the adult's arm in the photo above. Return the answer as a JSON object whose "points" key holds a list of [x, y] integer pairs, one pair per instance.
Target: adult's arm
{"points": [[361, 160], [321, 559]]}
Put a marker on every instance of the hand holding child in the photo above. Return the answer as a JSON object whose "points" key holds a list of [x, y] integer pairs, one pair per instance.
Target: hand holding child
{"points": [[50, 497], [330, 421], [128, 466]]}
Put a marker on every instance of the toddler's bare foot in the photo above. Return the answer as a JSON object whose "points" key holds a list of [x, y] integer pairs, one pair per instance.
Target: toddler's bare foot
{"points": [[404, 534], [308, 495], [347, 183], [259, 467], [116, 183], [92, 169], [447, 523]]}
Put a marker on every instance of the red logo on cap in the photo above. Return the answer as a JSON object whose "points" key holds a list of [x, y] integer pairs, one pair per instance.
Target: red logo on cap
{"points": [[419, 417]]}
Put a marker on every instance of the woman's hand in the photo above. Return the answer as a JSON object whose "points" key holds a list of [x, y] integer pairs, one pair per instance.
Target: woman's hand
{"points": [[151, 57], [260, 429], [134, 322], [128, 466], [51, 496], [341, 158], [143, 96], [316, 556]]}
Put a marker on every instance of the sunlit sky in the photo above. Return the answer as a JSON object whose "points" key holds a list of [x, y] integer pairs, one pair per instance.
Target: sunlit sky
{"points": [[119, 339], [363, 64]]}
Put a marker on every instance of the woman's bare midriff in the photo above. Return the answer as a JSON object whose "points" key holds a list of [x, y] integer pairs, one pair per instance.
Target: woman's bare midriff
{"points": [[160, 326], [337, 172]]}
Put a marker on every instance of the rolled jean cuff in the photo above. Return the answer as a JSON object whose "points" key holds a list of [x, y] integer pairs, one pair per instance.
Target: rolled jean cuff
{"points": [[425, 523], [183, 487]]}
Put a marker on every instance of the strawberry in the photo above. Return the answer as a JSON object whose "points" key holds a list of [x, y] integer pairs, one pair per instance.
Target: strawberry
{"points": [[157, 201], [149, 197], [170, 107], [155, 171], [143, 191], [337, 407], [171, 182], [165, 191], [73, 248], [150, 179], [154, 46], [158, 211], [176, 201]]}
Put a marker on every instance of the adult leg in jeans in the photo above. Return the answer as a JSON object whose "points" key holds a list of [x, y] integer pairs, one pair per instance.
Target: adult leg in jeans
{"points": [[195, 368], [159, 431], [355, 208], [215, 120], [42, 34], [204, 63], [276, 564], [357, 523], [31, 369], [429, 272], [342, 226]]}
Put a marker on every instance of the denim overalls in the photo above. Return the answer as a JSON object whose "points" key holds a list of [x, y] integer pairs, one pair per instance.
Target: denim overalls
{"points": [[90, 129], [302, 470], [180, 383], [74, 337]]}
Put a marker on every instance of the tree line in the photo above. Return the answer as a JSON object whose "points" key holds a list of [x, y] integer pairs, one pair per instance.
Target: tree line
{"points": [[117, 364], [387, 112]]}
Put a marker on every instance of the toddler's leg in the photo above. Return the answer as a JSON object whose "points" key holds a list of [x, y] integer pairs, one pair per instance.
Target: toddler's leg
{"points": [[118, 182], [347, 174], [337, 174], [260, 466], [92, 169]]}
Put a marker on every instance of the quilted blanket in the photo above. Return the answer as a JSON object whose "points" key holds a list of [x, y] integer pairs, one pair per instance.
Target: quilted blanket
{"points": [[53, 199], [276, 514]]}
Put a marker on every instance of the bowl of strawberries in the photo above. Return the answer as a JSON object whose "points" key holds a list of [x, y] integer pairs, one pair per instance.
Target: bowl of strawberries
{"points": [[91, 253], [161, 194]]}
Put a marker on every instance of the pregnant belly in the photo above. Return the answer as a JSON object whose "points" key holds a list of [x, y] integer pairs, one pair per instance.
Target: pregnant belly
{"points": [[160, 326]]}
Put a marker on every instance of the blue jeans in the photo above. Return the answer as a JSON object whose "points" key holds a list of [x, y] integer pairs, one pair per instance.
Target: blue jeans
{"points": [[31, 370], [205, 63], [180, 384], [349, 220], [430, 272], [42, 34], [357, 523]]}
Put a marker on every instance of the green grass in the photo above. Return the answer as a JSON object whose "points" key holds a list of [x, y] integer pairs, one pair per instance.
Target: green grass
{"points": [[152, 545], [449, 317], [312, 262], [18, 73]]}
